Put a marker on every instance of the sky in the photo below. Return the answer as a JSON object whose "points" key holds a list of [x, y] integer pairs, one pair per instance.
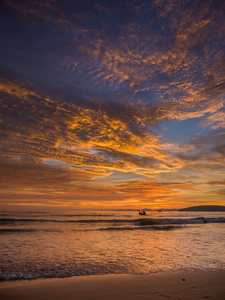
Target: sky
{"points": [[112, 104]]}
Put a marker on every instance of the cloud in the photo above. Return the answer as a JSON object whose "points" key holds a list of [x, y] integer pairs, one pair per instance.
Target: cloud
{"points": [[90, 85], [216, 182], [216, 120], [78, 135], [26, 171]]}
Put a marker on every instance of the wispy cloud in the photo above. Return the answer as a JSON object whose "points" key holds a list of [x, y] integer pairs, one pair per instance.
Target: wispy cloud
{"points": [[90, 86]]}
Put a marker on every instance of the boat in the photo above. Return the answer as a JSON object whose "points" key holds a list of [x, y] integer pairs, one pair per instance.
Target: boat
{"points": [[142, 212]]}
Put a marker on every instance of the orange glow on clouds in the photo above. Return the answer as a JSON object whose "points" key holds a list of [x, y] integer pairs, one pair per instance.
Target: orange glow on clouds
{"points": [[106, 112]]}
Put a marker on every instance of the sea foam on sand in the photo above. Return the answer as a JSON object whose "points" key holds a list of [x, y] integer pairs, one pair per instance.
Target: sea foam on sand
{"points": [[177, 285]]}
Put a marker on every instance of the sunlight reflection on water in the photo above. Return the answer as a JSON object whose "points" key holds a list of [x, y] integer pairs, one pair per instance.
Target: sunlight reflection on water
{"points": [[32, 249]]}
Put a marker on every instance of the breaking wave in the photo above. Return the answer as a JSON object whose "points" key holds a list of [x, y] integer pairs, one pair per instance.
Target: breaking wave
{"points": [[142, 222], [170, 227], [199, 220]]}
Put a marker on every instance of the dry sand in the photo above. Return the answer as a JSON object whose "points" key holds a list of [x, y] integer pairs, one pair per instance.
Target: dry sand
{"points": [[179, 285]]}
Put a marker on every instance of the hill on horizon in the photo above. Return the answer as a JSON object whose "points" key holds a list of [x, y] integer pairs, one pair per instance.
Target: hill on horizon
{"points": [[204, 208]]}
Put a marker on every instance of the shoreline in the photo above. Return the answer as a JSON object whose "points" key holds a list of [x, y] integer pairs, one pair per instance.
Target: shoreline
{"points": [[173, 285]]}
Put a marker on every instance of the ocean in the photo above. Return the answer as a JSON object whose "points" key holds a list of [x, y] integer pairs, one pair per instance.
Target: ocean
{"points": [[57, 245]]}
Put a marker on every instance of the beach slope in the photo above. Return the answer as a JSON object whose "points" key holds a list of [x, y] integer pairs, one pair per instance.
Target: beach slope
{"points": [[177, 285]]}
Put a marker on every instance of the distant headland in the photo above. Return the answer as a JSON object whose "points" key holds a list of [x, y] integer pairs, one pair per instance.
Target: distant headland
{"points": [[204, 208]]}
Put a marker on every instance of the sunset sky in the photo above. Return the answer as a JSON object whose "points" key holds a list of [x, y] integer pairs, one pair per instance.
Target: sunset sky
{"points": [[112, 104]]}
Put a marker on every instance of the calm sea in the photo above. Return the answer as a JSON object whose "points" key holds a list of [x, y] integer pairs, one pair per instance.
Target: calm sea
{"points": [[47, 245]]}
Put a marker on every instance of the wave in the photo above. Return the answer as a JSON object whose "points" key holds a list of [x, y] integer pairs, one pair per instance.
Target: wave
{"points": [[2, 231], [20, 230], [83, 215], [140, 222], [199, 220], [169, 227], [4, 221]]}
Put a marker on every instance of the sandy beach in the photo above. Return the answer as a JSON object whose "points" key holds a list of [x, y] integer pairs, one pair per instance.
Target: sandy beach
{"points": [[178, 285]]}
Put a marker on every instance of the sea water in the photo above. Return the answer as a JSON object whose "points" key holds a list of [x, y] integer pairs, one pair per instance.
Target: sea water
{"points": [[52, 244]]}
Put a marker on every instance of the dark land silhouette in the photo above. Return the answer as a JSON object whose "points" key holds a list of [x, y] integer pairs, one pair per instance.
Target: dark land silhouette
{"points": [[204, 208]]}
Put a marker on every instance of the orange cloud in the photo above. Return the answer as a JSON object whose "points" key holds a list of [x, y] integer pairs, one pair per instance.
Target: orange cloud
{"points": [[118, 92]]}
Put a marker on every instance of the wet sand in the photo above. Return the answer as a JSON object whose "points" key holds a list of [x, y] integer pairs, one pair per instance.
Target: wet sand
{"points": [[178, 285]]}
